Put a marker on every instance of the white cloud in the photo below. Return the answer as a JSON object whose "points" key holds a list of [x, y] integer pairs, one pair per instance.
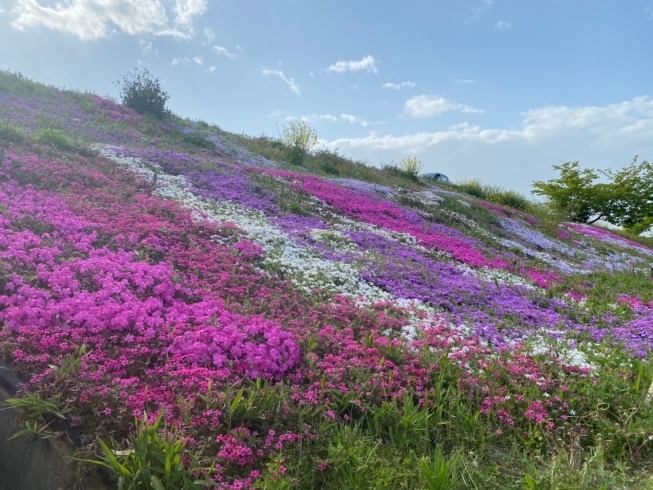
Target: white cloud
{"points": [[632, 118], [219, 50], [93, 19], [318, 117], [513, 156], [477, 10], [466, 80], [2, 11], [147, 47], [180, 61], [354, 119], [211, 70], [649, 11], [312, 118], [208, 34], [422, 106], [501, 25], [368, 64], [185, 10], [198, 59], [311, 74], [291, 82], [397, 86]]}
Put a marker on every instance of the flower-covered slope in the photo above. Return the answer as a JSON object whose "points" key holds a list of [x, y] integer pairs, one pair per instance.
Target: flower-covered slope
{"points": [[176, 276]]}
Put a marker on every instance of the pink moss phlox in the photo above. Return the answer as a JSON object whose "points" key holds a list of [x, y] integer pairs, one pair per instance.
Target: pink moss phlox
{"points": [[385, 214]]}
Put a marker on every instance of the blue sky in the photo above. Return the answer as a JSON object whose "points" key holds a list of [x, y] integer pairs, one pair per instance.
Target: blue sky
{"points": [[494, 89]]}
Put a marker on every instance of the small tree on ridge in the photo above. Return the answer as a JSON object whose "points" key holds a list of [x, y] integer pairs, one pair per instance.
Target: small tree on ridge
{"points": [[141, 91]]}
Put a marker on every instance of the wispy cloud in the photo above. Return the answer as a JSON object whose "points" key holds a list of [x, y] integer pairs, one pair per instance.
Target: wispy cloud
{"points": [[633, 119], [290, 82], [219, 50], [368, 64], [398, 86], [147, 48], [355, 120], [649, 12], [91, 20], [478, 9], [180, 61], [502, 25], [208, 34], [423, 106], [318, 117], [312, 118], [466, 80], [211, 70], [199, 60]]}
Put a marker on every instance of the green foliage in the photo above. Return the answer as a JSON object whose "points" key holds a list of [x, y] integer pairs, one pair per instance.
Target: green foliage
{"points": [[154, 460], [411, 165], [495, 194], [298, 134], [198, 140], [329, 161], [626, 199], [11, 133], [54, 137], [398, 171], [39, 415], [141, 91], [631, 196], [575, 193], [298, 139]]}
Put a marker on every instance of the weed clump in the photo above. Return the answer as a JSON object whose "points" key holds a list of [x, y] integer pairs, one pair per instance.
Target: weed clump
{"points": [[11, 133], [54, 137]]}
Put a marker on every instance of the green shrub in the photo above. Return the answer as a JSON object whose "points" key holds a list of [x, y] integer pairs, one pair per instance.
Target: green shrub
{"points": [[328, 161], [298, 140], [199, 141], [54, 137], [397, 171], [473, 187], [11, 133], [294, 155], [495, 194], [411, 165], [142, 92]]}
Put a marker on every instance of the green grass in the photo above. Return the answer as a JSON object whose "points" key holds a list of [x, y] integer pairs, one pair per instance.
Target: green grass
{"points": [[329, 163], [495, 194]]}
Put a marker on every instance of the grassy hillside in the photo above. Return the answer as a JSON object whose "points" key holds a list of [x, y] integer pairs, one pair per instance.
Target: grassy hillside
{"points": [[325, 327]]}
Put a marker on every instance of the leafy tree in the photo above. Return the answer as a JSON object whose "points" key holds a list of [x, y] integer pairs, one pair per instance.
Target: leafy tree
{"points": [[631, 196], [575, 193], [626, 199], [141, 91]]}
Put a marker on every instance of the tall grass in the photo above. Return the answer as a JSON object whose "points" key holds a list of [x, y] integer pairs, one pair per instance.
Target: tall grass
{"points": [[330, 163]]}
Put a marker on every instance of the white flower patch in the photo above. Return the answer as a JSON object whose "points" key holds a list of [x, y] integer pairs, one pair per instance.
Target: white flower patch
{"points": [[334, 239], [305, 265], [428, 198], [466, 221], [498, 276], [464, 203], [559, 349], [559, 264]]}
